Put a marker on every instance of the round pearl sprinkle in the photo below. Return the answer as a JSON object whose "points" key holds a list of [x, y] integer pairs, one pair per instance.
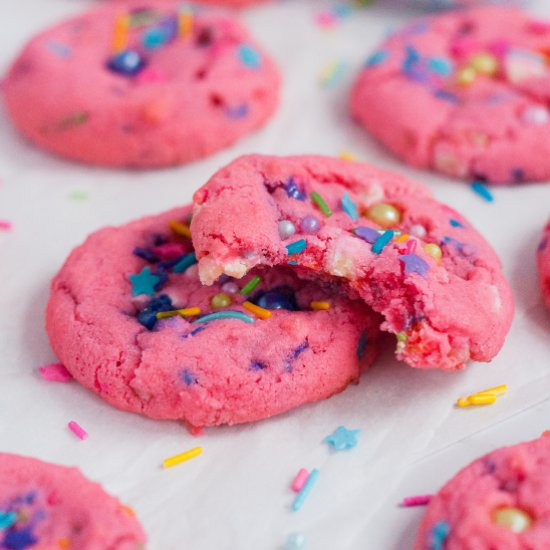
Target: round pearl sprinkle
{"points": [[418, 230], [433, 250], [385, 215], [286, 229], [295, 541], [484, 63], [513, 518], [221, 300], [537, 115], [230, 288], [466, 76], [310, 225]]}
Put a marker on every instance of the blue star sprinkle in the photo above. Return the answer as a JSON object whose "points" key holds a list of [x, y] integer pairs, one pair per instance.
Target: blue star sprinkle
{"points": [[414, 264], [342, 438], [7, 519], [144, 282]]}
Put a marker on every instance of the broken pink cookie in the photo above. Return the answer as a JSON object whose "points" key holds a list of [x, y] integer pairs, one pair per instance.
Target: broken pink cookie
{"points": [[543, 264], [464, 93], [141, 86], [499, 501], [435, 280], [48, 506], [130, 320]]}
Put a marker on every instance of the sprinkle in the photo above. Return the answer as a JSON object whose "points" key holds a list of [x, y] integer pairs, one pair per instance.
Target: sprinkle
{"points": [[439, 533], [476, 400], [180, 228], [144, 282], [178, 459], [221, 300], [7, 519], [299, 480], [79, 195], [414, 264], [55, 372], [293, 191], [342, 438], [319, 306], [455, 223], [77, 430], [186, 312], [120, 39], [377, 58], [296, 247], [185, 263], [228, 314], [239, 111], [401, 238], [367, 234], [249, 56], [320, 202], [332, 73], [347, 155], [411, 246], [5, 225], [306, 489], [126, 63], [185, 23], [482, 190], [250, 286], [64, 543], [58, 48], [382, 241], [350, 208], [260, 312], [497, 390], [419, 500], [295, 541], [310, 225], [286, 229]]}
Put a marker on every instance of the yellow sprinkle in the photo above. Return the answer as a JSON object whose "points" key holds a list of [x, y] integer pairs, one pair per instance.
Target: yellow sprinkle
{"points": [[180, 228], [178, 459], [402, 238], [319, 306], [185, 23], [260, 312], [120, 39], [187, 312], [64, 543], [466, 76], [433, 250], [478, 399], [129, 510], [497, 390], [347, 155]]}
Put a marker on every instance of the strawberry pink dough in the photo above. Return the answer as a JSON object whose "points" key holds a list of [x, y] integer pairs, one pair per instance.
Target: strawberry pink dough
{"points": [[435, 280], [44, 507], [101, 319], [465, 93], [180, 88], [498, 502], [543, 263]]}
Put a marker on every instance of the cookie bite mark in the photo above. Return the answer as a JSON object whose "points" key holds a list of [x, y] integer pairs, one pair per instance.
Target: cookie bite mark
{"points": [[480, 79], [413, 260]]}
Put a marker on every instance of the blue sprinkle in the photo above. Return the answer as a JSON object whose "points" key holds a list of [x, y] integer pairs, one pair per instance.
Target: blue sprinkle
{"points": [[293, 262], [126, 63], [240, 111], [296, 247], [439, 533], [447, 96], [226, 314], [306, 489], [350, 208], [300, 349], [483, 191], [249, 56], [441, 66], [455, 223], [58, 48], [7, 519], [367, 234], [148, 316], [185, 263], [518, 175], [382, 241], [19, 540], [155, 38], [163, 279], [188, 377], [293, 191], [377, 58], [258, 365], [193, 332], [362, 345], [145, 254]]}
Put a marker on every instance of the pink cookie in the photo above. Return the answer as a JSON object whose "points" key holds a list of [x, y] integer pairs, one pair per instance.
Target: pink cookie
{"points": [[44, 507], [543, 263], [181, 87], [223, 366], [436, 281], [464, 93], [498, 502]]}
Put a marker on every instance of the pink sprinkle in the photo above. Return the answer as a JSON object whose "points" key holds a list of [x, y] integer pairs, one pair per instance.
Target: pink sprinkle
{"points": [[411, 246], [78, 430], [169, 251], [299, 480], [325, 19], [5, 224], [420, 500], [55, 372]]}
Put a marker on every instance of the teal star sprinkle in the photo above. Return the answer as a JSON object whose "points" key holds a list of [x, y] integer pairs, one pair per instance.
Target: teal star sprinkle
{"points": [[342, 438], [144, 282]]}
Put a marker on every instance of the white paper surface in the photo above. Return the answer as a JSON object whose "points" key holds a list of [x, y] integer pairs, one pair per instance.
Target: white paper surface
{"points": [[236, 495]]}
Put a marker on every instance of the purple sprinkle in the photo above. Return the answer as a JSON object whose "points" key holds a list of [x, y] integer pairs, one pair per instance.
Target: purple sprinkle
{"points": [[240, 111], [188, 377], [367, 234], [258, 365], [310, 225], [293, 191], [414, 264]]}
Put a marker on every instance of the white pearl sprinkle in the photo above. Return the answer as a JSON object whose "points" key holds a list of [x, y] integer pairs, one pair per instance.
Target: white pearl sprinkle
{"points": [[286, 229]]}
